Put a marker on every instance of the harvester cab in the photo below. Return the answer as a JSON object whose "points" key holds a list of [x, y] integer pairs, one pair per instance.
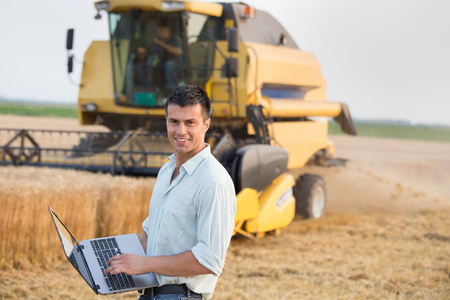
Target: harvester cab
{"points": [[155, 46]]}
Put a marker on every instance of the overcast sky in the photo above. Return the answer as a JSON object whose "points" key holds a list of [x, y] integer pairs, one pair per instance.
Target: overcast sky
{"points": [[385, 59]]}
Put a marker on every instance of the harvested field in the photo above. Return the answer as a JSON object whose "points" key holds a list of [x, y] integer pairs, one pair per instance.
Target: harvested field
{"points": [[386, 234]]}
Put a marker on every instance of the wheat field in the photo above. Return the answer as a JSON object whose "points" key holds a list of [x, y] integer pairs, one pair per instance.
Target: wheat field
{"points": [[89, 204], [343, 256]]}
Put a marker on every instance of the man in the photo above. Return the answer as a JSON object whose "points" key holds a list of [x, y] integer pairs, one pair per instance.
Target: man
{"points": [[166, 50], [141, 79], [192, 209]]}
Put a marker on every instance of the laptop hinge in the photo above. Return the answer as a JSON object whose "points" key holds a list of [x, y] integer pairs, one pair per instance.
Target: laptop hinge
{"points": [[80, 247]]}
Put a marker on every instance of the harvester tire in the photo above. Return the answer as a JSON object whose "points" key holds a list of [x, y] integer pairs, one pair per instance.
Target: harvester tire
{"points": [[310, 196]]}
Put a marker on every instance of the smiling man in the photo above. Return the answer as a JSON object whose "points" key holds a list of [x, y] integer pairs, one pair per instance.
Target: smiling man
{"points": [[192, 209]]}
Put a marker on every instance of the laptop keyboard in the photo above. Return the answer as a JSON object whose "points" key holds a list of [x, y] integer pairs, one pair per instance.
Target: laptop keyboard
{"points": [[104, 249]]}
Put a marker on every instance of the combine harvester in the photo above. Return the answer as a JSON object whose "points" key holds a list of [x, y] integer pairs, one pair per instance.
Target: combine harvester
{"points": [[270, 113]]}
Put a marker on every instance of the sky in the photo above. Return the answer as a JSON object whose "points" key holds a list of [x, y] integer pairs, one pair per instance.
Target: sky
{"points": [[387, 59]]}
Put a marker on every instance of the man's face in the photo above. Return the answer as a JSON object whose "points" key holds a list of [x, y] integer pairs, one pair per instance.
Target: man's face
{"points": [[163, 33], [186, 130]]}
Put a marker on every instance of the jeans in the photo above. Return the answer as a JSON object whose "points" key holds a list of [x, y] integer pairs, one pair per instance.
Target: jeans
{"points": [[170, 73]]}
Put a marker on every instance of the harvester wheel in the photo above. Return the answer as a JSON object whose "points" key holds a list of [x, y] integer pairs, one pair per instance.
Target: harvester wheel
{"points": [[310, 196]]}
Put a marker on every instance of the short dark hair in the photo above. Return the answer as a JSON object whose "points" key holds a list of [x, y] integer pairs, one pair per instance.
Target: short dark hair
{"points": [[164, 22], [187, 95]]}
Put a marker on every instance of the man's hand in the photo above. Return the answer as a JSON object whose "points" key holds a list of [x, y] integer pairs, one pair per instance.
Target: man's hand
{"points": [[131, 264], [180, 265], [172, 49]]}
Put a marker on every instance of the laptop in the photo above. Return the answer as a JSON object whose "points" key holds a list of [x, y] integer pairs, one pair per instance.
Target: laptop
{"points": [[90, 257]]}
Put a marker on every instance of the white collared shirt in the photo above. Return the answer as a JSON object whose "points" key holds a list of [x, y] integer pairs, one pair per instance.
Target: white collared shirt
{"points": [[195, 212]]}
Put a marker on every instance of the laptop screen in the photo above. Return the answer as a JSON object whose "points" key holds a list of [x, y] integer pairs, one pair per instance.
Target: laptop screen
{"points": [[67, 240], [72, 250]]}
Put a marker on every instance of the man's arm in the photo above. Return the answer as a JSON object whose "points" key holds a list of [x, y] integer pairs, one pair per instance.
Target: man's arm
{"points": [[174, 50], [143, 239], [179, 265]]}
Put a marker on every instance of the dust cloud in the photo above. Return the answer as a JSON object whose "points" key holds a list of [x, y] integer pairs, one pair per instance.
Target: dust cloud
{"points": [[387, 176]]}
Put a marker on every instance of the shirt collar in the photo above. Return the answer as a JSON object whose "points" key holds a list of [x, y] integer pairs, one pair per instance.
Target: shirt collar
{"points": [[193, 162]]}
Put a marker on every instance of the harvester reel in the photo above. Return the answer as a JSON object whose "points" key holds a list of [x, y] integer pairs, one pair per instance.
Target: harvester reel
{"points": [[95, 142], [310, 196], [125, 154], [27, 151]]}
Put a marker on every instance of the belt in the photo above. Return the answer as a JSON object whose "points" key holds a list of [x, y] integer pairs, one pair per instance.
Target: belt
{"points": [[171, 289]]}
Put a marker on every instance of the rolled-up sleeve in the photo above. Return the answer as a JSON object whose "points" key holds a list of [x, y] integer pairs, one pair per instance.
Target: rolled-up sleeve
{"points": [[145, 225], [216, 210]]}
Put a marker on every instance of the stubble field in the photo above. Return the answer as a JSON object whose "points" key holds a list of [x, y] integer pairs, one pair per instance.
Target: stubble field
{"points": [[385, 236]]}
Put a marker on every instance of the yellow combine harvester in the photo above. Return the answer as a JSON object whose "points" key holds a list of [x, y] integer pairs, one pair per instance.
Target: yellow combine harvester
{"points": [[267, 97]]}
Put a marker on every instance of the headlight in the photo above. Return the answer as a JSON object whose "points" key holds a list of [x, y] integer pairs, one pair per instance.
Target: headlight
{"points": [[91, 107], [172, 5]]}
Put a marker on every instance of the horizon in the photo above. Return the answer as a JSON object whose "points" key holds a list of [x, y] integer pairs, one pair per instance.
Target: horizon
{"points": [[381, 121]]}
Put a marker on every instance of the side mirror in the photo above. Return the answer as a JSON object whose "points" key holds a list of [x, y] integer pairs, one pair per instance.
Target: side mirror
{"points": [[69, 46], [233, 40], [69, 40], [70, 64]]}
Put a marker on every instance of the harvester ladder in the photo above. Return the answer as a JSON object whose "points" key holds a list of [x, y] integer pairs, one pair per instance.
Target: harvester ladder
{"points": [[260, 124]]}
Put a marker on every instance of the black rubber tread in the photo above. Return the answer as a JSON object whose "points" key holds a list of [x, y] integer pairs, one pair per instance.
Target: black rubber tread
{"points": [[303, 194]]}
